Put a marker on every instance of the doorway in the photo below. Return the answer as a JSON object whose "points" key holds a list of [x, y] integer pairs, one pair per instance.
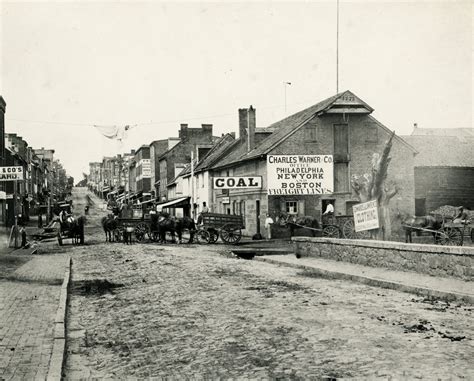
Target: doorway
{"points": [[257, 212]]}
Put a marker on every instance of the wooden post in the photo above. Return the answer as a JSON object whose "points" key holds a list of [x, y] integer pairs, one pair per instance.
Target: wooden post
{"points": [[15, 229]]}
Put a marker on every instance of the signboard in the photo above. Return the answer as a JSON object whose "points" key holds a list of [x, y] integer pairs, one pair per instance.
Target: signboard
{"points": [[366, 216], [300, 174], [11, 173], [225, 200], [146, 168], [254, 182]]}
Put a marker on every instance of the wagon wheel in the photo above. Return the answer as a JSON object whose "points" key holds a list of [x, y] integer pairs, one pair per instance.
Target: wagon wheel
{"points": [[185, 236], [348, 231], [449, 237], [141, 230], [331, 231], [213, 235], [231, 234], [60, 239], [202, 236]]}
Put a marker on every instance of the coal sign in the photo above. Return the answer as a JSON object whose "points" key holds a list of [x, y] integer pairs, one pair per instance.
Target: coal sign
{"points": [[238, 182], [11, 173]]}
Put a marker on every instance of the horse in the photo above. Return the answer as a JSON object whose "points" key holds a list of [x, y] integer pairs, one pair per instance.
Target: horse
{"points": [[293, 223], [163, 223], [77, 228], [109, 224], [412, 224]]}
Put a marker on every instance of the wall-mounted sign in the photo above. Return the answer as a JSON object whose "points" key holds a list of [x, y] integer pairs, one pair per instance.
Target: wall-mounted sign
{"points": [[225, 200], [300, 174], [366, 216], [254, 182], [11, 173], [145, 164]]}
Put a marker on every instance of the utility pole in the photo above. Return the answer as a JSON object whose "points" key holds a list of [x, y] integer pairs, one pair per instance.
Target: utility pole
{"points": [[284, 86], [337, 49], [192, 184]]}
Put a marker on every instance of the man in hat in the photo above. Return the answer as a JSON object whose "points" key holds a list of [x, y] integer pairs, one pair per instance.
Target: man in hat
{"points": [[461, 216]]}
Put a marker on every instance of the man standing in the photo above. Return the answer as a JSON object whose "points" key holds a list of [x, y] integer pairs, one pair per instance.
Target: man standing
{"points": [[268, 226]]}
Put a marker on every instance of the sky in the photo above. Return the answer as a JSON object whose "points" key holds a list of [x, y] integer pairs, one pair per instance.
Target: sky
{"points": [[67, 66]]}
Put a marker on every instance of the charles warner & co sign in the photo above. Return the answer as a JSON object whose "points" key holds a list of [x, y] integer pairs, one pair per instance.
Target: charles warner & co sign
{"points": [[254, 182], [11, 173]]}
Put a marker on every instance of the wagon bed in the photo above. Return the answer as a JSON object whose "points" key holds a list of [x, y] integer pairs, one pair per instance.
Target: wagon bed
{"points": [[226, 226]]}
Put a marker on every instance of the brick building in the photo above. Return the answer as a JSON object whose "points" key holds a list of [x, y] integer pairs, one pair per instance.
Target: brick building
{"points": [[173, 161], [444, 168], [157, 149], [143, 171], [340, 126]]}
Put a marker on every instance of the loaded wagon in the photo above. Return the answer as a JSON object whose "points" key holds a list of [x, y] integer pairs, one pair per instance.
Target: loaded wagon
{"points": [[226, 226]]}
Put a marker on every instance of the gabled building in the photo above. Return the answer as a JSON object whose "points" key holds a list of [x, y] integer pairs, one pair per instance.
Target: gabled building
{"points": [[157, 149], [444, 168], [340, 130], [183, 184], [174, 160]]}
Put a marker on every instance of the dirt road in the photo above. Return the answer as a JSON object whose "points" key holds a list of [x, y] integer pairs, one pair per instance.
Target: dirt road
{"points": [[196, 311]]}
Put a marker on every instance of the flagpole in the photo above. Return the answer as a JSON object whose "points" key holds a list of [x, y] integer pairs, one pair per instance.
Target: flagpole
{"points": [[337, 49]]}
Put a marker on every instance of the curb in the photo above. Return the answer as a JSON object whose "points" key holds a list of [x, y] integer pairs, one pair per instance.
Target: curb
{"points": [[59, 342], [423, 291]]}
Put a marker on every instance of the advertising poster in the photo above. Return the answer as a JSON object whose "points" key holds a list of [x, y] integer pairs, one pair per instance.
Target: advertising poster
{"points": [[366, 216], [300, 174]]}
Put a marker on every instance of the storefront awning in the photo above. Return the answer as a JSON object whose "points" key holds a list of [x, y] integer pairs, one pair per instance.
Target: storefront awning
{"points": [[105, 189], [113, 192], [148, 201], [176, 203]]}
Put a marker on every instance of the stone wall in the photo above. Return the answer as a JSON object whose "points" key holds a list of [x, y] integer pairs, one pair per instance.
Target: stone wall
{"points": [[457, 262]]}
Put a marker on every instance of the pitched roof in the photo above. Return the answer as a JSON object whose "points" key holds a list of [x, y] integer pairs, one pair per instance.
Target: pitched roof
{"points": [[442, 150]]}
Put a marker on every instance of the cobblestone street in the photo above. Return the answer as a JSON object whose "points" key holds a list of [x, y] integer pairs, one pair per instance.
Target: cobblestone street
{"points": [[198, 311]]}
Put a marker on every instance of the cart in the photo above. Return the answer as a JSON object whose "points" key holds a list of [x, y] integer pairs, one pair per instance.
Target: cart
{"points": [[226, 226], [141, 228], [450, 233], [69, 231]]}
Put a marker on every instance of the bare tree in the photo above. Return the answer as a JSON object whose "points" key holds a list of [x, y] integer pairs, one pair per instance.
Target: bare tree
{"points": [[373, 186]]}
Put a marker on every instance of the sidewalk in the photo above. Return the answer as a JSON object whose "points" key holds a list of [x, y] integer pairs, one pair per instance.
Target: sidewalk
{"points": [[449, 289], [29, 300]]}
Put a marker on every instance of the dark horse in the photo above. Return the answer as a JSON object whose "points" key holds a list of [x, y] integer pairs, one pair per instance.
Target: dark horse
{"points": [[412, 224], [293, 223], [77, 228], [163, 222], [109, 224]]}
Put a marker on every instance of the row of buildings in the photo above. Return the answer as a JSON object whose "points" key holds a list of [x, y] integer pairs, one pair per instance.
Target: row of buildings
{"points": [[297, 165], [32, 181]]}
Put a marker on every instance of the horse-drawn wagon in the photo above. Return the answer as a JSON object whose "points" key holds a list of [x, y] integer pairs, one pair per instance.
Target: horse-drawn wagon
{"points": [[72, 229], [226, 226]]}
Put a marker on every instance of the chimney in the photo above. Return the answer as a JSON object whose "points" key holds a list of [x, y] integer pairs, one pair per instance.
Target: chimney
{"points": [[243, 123], [251, 129], [183, 132]]}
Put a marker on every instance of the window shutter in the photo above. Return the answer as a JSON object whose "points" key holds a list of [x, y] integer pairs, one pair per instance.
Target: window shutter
{"points": [[282, 206]]}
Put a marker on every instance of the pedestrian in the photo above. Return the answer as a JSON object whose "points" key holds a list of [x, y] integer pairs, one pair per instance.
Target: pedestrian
{"points": [[205, 209], [268, 226], [40, 220]]}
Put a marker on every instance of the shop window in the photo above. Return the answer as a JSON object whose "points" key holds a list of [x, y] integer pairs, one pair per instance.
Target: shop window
{"points": [[291, 207]]}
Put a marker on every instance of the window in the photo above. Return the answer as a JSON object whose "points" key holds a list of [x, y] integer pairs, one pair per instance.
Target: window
{"points": [[292, 207], [242, 209], [311, 133], [371, 131]]}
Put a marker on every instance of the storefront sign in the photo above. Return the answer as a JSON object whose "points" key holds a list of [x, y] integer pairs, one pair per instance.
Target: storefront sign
{"points": [[254, 182], [225, 200], [366, 216], [11, 173], [3, 195], [300, 174], [146, 168]]}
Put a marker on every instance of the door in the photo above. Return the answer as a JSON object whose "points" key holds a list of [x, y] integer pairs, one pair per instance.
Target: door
{"points": [[257, 212], [341, 143]]}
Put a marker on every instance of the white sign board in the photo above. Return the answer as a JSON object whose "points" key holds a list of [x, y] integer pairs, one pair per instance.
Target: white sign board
{"points": [[254, 182], [300, 174], [366, 216], [146, 168], [225, 200], [11, 173]]}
